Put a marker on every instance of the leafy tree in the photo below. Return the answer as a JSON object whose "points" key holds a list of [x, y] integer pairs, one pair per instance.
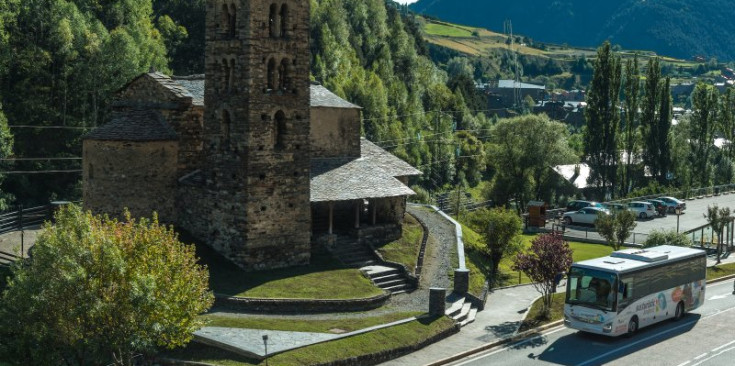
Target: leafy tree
{"points": [[521, 150], [501, 228], [666, 237], [702, 134], [615, 228], [726, 122], [663, 129], [649, 123], [629, 133], [97, 291], [603, 118], [718, 218], [6, 150], [548, 256]]}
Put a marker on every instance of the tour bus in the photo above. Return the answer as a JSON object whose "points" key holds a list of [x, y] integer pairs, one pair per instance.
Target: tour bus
{"points": [[634, 288]]}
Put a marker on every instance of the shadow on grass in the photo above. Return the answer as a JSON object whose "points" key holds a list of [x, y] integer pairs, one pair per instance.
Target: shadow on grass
{"points": [[227, 278]]}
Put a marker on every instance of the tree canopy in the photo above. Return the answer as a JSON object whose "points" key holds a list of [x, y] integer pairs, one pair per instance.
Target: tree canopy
{"points": [[98, 291]]}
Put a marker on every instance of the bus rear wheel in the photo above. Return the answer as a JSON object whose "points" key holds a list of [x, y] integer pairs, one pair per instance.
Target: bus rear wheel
{"points": [[632, 326], [679, 311]]}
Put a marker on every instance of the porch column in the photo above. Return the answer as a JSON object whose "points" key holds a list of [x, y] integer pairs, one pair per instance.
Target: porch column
{"points": [[331, 217], [357, 214], [374, 203]]}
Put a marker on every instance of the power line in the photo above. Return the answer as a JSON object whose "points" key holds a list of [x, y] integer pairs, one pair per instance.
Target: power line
{"points": [[39, 159], [51, 127], [39, 171]]}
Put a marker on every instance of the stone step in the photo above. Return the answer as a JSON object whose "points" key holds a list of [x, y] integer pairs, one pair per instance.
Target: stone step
{"points": [[470, 317], [463, 313], [455, 308], [394, 282], [385, 276], [393, 289]]}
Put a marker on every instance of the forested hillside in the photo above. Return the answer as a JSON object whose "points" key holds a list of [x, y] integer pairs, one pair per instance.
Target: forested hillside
{"points": [[61, 61], [679, 28]]}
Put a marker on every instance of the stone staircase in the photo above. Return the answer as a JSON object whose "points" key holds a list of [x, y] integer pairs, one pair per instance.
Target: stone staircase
{"points": [[387, 278], [460, 310], [352, 254]]}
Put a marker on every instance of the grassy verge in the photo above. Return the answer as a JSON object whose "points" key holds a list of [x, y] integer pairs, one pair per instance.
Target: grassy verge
{"points": [[406, 249], [581, 252], [475, 260], [557, 308], [376, 341], [322, 279], [299, 325]]}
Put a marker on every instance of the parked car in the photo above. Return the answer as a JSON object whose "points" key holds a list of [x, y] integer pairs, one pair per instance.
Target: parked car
{"points": [[673, 203], [587, 215], [577, 205], [614, 207], [643, 210], [661, 207]]}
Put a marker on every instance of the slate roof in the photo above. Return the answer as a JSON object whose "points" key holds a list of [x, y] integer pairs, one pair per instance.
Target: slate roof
{"points": [[323, 97], [370, 176], [134, 125], [193, 86]]}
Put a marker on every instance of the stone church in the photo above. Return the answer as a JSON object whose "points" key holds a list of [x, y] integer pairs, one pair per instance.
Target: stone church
{"points": [[250, 158]]}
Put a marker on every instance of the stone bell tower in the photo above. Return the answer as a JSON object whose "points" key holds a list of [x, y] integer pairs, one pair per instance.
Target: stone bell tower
{"points": [[256, 131]]}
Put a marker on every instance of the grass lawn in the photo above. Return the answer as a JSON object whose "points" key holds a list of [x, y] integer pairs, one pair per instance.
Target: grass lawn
{"points": [[299, 325], [379, 340], [442, 29], [557, 307], [322, 279], [406, 249], [475, 260], [581, 252]]}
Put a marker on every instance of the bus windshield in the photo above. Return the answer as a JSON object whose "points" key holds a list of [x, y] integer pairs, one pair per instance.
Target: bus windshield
{"points": [[591, 288]]}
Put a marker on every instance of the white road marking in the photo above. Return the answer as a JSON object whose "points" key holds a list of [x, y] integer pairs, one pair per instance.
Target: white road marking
{"points": [[683, 363], [700, 356], [722, 346], [718, 297], [505, 348], [713, 356]]}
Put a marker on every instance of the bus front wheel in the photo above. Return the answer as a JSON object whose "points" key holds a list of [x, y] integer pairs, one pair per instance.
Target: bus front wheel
{"points": [[632, 326], [679, 311]]}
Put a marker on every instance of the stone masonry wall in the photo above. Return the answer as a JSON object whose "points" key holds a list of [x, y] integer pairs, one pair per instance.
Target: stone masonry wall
{"points": [[335, 132], [256, 133], [138, 175]]}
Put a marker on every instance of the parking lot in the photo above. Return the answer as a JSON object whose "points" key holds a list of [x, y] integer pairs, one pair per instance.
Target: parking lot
{"points": [[693, 217]]}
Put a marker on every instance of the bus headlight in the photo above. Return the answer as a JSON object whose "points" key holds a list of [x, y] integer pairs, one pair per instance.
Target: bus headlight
{"points": [[607, 328]]}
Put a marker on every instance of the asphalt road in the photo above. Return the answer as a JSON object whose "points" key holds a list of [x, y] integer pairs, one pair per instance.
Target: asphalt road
{"points": [[703, 337]]}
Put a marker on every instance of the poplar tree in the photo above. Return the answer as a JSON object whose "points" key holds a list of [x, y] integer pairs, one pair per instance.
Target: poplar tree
{"points": [[603, 118], [701, 133], [649, 123], [663, 129], [631, 91], [727, 121]]}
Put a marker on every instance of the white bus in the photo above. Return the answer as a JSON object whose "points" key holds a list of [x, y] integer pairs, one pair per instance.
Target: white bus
{"points": [[634, 288]]}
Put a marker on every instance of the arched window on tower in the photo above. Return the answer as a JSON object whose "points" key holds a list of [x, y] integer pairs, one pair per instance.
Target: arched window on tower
{"points": [[226, 73], [284, 20], [233, 20], [225, 21], [273, 20], [284, 77], [226, 126], [279, 130], [271, 75]]}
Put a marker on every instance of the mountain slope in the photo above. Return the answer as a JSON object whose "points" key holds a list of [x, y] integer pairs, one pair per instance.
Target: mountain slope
{"points": [[680, 28]]}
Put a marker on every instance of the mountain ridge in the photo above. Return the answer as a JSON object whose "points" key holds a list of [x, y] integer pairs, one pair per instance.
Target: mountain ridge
{"points": [[679, 28]]}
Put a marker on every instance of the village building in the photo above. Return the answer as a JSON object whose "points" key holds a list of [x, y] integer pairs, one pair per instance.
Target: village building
{"points": [[251, 158]]}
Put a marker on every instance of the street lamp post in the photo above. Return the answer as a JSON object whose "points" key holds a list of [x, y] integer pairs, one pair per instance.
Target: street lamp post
{"points": [[265, 343], [678, 213]]}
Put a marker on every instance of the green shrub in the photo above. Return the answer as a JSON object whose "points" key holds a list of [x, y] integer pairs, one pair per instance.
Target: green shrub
{"points": [[666, 237]]}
